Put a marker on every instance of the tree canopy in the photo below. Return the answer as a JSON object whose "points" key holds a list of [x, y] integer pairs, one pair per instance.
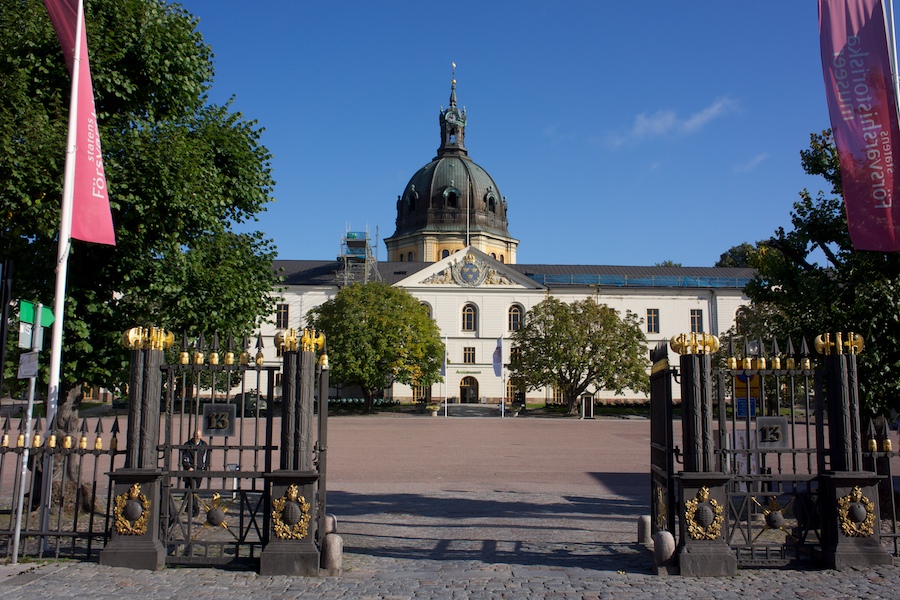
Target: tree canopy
{"points": [[186, 180], [811, 281], [740, 256], [378, 334], [579, 347]]}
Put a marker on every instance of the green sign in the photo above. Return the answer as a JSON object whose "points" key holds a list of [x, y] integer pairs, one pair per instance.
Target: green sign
{"points": [[26, 314]]}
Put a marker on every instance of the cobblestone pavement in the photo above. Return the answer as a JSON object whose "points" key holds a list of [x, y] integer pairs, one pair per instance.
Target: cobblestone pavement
{"points": [[469, 533]]}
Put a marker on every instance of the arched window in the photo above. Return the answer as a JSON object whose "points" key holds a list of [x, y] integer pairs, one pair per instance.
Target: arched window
{"points": [[401, 257], [469, 317], [445, 254], [409, 257], [451, 197], [494, 255], [491, 202], [501, 259], [427, 308], [515, 317]]}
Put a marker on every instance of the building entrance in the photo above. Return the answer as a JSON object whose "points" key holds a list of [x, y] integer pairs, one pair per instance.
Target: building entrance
{"points": [[468, 390]]}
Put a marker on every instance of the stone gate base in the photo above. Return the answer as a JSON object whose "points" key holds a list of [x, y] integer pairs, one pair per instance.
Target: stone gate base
{"points": [[292, 531], [135, 542]]}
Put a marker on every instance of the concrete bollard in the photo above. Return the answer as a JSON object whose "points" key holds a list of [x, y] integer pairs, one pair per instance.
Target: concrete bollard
{"points": [[330, 525], [664, 553], [333, 554], [644, 535]]}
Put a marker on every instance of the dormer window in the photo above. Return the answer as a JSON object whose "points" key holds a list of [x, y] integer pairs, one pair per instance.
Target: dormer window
{"points": [[451, 197], [490, 201]]}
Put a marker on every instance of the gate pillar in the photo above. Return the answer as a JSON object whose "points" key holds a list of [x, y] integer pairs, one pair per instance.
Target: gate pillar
{"points": [[702, 550], [135, 539], [851, 523], [135, 542], [292, 504], [291, 548]]}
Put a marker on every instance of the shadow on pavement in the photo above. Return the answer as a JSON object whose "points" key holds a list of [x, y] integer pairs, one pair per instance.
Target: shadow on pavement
{"points": [[495, 528]]}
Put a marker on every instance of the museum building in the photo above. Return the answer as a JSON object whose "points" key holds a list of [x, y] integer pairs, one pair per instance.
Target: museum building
{"points": [[452, 250]]}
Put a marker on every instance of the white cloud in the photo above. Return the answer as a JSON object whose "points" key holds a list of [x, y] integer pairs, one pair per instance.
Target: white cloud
{"points": [[718, 108], [659, 123], [552, 133], [751, 164], [667, 122]]}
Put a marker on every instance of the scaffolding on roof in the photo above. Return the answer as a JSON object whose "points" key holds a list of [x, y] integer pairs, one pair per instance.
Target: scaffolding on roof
{"points": [[359, 262]]}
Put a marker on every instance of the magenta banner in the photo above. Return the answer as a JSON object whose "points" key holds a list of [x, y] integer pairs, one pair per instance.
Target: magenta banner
{"points": [[862, 105], [91, 215]]}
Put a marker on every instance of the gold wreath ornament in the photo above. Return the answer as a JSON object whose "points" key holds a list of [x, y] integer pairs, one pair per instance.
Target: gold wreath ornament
{"points": [[661, 508], [291, 502], [124, 524], [696, 529], [853, 525]]}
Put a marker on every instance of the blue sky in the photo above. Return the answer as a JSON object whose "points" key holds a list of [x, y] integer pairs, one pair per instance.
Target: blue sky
{"points": [[621, 133]]}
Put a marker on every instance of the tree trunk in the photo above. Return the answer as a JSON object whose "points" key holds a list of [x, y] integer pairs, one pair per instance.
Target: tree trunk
{"points": [[572, 405], [67, 424], [74, 493], [370, 401]]}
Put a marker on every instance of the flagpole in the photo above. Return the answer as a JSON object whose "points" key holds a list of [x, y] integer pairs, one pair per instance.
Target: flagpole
{"points": [[446, 404], [65, 229], [892, 37]]}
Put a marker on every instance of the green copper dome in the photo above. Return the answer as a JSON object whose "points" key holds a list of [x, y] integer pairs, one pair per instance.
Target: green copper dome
{"points": [[452, 192]]}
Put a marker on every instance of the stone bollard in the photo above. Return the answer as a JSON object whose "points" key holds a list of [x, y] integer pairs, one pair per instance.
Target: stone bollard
{"points": [[644, 535], [332, 554], [330, 524], [664, 553]]}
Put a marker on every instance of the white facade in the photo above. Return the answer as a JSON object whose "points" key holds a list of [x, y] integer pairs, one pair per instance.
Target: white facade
{"points": [[675, 303]]}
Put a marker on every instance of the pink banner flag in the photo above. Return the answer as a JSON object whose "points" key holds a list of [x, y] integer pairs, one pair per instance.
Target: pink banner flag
{"points": [[863, 107], [91, 215]]}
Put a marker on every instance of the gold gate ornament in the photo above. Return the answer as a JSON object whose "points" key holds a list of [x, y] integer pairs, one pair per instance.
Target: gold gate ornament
{"points": [[704, 516], [856, 514], [132, 512], [290, 515]]}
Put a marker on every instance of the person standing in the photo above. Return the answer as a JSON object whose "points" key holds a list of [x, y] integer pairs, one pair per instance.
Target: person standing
{"points": [[195, 458]]}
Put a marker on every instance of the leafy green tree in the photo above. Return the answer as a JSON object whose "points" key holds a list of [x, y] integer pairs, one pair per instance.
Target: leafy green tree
{"points": [[741, 256], [378, 334], [667, 263], [186, 180], [579, 346], [810, 281]]}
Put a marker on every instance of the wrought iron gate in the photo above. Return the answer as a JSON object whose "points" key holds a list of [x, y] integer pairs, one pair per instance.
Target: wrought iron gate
{"points": [[770, 425], [216, 514], [662, 445], [773, 465]]}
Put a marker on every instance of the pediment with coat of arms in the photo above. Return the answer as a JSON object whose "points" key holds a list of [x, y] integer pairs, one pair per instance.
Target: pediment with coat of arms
{"points": [[471, 271]]}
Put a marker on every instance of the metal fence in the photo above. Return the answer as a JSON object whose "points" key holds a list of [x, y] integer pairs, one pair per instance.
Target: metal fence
{"points": [[69, 518]]}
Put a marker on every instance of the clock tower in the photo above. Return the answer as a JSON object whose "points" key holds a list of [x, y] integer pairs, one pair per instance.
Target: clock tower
{"points": [[453, 126]]}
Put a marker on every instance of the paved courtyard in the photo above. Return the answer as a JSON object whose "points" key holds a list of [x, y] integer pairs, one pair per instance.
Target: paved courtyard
{"points": [[471, 508]]}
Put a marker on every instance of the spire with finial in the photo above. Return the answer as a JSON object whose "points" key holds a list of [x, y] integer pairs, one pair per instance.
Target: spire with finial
{"points": [[453, 84], [453, 123]]}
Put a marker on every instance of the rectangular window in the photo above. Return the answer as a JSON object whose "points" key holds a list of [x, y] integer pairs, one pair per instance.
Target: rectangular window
{"points": [[558, 397], [696, 320], [469, 355], [281, 316], [652, 320]]}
